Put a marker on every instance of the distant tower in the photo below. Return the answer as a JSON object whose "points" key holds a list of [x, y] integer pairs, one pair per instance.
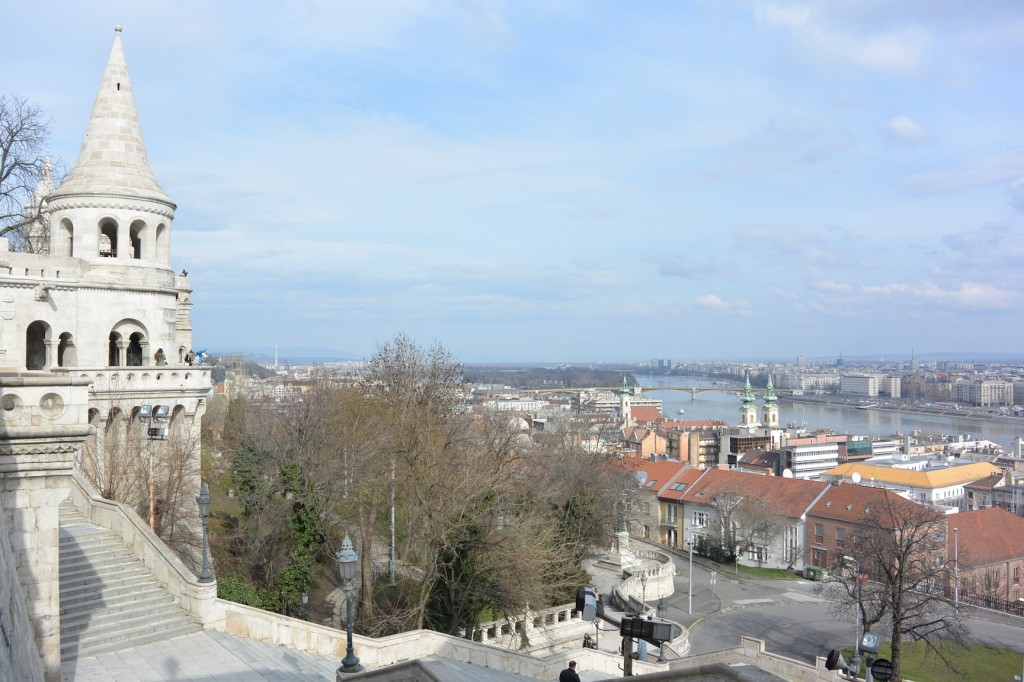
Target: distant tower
{"points": [[625, 404], [36, 232], [770, 411], [275, 357], [748, 410]]}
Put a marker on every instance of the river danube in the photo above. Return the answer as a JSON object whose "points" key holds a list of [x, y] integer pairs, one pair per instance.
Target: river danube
{"points": [[841, 418]]}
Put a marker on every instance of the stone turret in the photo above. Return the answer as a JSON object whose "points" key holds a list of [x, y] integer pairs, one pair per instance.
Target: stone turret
{"points": [[111, 205]]}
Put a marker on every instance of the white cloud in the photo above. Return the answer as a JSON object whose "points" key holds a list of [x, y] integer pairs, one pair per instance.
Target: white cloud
{"points": [[905, 130], [714, 302], [969, 295], [829, 285], [1017, 193], [976, 172], [893, 49]]}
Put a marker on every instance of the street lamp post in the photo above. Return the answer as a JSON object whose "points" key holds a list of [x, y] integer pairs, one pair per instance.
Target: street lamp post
{"points": [[855, 657], [348, 565], [662, 609], [153, 414], [204, 500], [643, 583], [689, 581]]}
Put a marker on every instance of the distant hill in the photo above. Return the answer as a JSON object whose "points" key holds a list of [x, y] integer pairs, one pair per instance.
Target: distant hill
{"points": [[291, 355]]}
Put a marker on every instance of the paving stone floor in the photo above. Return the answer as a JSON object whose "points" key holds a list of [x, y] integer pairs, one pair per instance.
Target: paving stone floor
{"points": [[202, 657]]}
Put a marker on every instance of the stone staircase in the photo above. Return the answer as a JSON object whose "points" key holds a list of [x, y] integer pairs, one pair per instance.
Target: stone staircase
{"points": [[108, 599]]}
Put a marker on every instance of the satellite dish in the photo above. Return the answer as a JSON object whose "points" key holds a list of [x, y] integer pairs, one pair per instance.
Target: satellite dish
{"points": [[787, 473], [856, 477]]}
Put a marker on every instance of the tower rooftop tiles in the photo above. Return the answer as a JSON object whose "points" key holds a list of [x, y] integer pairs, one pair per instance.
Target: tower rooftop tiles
{"points": [[113, 160]]}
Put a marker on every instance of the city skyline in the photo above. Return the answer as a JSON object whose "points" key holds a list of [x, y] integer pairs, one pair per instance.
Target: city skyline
{"points": [[572, 181]]}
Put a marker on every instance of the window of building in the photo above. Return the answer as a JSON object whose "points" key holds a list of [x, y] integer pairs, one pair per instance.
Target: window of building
{"points": [[1016, 575], [700, 519], [819, 534], [819, 557], [840, 538]]}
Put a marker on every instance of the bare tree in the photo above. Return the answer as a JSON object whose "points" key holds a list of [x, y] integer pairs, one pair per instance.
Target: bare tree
{"points": [[24, 165], [901, 548], [747, 523]]}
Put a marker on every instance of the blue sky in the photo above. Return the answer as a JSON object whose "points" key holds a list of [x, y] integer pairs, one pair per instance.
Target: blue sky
{"points": [[563, 180]]}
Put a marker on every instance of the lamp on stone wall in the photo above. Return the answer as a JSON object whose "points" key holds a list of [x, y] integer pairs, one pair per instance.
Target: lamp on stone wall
{"points": [[348, 564], [204, 500]]}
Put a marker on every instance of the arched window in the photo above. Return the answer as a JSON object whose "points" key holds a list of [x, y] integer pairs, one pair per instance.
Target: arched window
{"points": [[134, 354], [66, 350], [136, 234], [36, 337], [66, 243], [108, 239], [160, 246], [114, 354]]}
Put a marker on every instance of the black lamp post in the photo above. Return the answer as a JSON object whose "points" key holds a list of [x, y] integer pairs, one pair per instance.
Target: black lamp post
{"points": [[206, 576], [348, 563]]}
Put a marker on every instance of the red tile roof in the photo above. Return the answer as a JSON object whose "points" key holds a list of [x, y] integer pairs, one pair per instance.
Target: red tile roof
{"points": [[986, 536], [790, 496], [644, 414], [860, 503]]}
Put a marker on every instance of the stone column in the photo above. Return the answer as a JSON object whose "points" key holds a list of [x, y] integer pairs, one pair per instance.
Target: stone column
{"points": [[43, 423]]}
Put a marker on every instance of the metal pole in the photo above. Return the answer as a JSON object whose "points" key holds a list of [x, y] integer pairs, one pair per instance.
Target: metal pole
{"points": [[956, 568], [627, 656], [152, 481], [392, 562], [349, 664]]}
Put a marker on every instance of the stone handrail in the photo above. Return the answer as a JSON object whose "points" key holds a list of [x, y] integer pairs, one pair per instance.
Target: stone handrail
{"points": [[195, 597], [264, 626], [752, 652]]}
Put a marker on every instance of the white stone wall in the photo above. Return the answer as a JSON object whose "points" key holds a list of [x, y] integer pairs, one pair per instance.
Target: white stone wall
{"points": [[19, 658]]}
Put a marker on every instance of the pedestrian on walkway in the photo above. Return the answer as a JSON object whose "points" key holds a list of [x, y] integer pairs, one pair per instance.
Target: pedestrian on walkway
{"points": [[569, 674]]}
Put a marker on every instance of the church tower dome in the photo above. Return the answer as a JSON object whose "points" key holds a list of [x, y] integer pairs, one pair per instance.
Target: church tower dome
{"points": [[748, 411], [770, 411], [110, 209]]}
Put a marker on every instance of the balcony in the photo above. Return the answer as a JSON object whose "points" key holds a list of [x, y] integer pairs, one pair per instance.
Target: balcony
{"points": [[185, 380]]}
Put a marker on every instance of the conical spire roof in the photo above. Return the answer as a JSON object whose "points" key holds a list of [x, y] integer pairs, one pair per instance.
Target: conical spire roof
{"points": [[747, 397], [769, 393], [113, 159]]}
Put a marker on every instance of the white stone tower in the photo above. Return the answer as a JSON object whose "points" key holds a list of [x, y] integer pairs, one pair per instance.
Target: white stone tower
{"points": [[626, 405], [104, 300]]}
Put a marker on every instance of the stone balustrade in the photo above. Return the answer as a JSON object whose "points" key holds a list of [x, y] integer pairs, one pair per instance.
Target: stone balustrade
{"points": [[752, 652], [245, 621]]}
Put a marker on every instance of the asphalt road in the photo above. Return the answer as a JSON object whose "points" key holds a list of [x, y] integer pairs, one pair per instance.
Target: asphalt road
{"points": [[788, 615]]}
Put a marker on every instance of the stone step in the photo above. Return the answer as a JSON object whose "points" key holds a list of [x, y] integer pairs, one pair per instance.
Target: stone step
{"points": [[103, 618], [70, 597], [72, 604], [100, 556], [72, 650], [109, 599], [110, 577]]}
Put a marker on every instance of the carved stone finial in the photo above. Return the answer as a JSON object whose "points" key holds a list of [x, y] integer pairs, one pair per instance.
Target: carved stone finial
{"points": [[117, 28]]}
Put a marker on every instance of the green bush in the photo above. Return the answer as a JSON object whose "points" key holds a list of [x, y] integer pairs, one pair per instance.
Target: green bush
{"points": [[233, 588]]}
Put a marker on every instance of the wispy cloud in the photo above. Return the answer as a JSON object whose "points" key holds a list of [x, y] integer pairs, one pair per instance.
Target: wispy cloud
{"points": [[905, 130]]}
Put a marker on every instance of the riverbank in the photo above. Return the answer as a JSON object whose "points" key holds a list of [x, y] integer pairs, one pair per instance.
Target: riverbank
{"points": [[845, 401]]}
